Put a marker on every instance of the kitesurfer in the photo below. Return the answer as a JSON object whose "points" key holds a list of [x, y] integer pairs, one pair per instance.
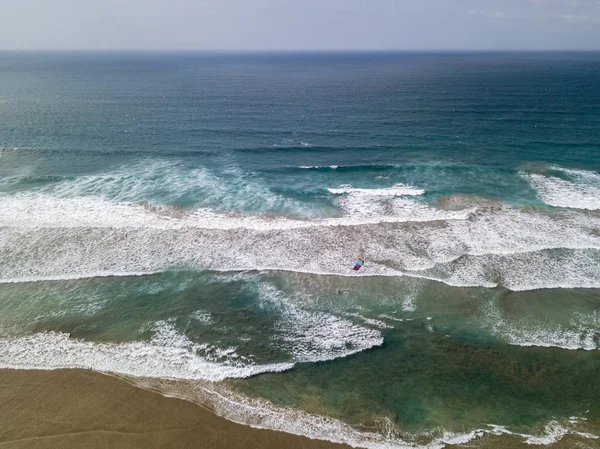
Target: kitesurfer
{"points": [[359, 263]]}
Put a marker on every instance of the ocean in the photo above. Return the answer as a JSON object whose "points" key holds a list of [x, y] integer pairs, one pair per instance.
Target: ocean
{"points": [[192, 219]]}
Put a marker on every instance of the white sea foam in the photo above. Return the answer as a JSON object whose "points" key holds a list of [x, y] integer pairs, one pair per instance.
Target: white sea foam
{"points": [[560, 268], [87, 235], [388, 204], [307, 336], [138, 182], [561, 338], [581, 191], [231, 189], [554, 432], [168, 354], [312, 336], [370, 321], [260, 413], [583, 333], [202, 317], [41, 210], [396, 190], [333, 167], [409, 300], [389, 317]]}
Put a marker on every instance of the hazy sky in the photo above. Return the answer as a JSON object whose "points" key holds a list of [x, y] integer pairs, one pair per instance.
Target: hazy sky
{"points": [[300, 24]]}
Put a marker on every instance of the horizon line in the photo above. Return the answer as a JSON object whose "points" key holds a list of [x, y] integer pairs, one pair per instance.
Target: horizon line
{"points": [[267, 51]]}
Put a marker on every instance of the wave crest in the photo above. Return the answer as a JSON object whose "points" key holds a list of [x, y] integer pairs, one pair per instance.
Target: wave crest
{"points": [[560, 187]]}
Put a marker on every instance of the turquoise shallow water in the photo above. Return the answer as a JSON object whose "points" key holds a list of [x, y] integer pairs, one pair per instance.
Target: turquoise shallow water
{"points": [[197, 216]]}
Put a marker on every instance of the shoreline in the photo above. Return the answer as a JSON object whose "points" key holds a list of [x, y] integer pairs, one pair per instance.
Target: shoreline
{"points": [[74, 408]]}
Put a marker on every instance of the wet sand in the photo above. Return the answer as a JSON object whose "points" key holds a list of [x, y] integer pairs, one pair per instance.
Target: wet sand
{"points": [[85, 409]]}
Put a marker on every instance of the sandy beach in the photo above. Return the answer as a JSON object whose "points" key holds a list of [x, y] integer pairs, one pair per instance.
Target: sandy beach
{"points": [[85, 409]]}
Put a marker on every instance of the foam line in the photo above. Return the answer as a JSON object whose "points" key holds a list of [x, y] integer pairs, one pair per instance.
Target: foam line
{"points": [[306, 336], [312, 336], [583, 332], [41, 210], [580, 191], [396, 190], [260, 413], [87, 237], [480, 245], [168, 355], [231, 189]]}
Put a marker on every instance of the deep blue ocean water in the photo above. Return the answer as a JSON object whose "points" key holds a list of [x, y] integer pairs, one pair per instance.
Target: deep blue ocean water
{"points": [[196, 217]]}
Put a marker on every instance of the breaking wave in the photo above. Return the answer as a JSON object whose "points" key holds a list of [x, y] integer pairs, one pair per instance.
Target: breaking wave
{"points": [[396, 190], [583, 332], [312, 336], [109, 225], [168, 354], [263, 414], [561, 187], [162, 183], [298, 334], [43, 237]]}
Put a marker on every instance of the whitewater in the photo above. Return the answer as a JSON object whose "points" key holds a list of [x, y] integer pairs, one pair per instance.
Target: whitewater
{"points": [[191, 222]]}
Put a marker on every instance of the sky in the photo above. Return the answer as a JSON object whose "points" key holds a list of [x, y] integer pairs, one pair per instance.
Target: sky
{"points": [[300, 24]]}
